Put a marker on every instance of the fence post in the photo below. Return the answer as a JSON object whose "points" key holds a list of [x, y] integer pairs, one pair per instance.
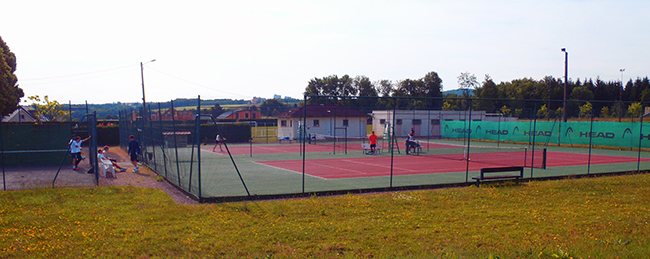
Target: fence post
{"points": [[532, 158], [93, 147], [393, 142], [638, 162], [469, 136], [163, 143], [153, 143], [178, 167], [198, 150], [2, 158], [591, 129], [302, 139]]}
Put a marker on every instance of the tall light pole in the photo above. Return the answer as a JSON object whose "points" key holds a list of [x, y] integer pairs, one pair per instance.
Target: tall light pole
{"points": [[620, 96], [144, 110], [620, 91], [566, 78]]}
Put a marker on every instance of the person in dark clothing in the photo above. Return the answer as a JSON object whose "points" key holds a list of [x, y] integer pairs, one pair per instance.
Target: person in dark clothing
{"points": [[134, 151]]}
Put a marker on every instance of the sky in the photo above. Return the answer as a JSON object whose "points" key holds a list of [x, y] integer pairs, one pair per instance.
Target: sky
{"points": [[91, 51]]}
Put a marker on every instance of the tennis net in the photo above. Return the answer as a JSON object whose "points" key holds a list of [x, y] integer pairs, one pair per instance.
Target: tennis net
{"points": [[315, 138], [494, 155]]}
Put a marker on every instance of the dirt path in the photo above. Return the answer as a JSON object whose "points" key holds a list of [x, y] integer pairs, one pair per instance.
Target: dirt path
{"points": [[143, 178], [35, 177]]}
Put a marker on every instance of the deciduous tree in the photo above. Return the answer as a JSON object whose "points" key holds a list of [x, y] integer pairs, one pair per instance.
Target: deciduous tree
{"points": [[46, 109]]}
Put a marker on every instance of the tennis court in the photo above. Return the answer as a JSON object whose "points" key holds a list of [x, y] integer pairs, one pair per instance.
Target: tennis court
{"points": [[373, 166], [435, 158]]}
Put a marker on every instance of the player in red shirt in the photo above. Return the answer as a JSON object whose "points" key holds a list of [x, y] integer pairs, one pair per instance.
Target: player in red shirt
{"points": [[373, 142]]}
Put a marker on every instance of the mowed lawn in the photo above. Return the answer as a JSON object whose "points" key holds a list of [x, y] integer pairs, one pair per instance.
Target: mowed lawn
{"points": [[604, 217]]}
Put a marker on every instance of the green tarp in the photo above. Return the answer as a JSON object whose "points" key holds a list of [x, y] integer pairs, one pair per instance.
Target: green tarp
{"points": [[615, 134]]}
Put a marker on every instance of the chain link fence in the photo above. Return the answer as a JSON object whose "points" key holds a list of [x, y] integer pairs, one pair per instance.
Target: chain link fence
{"points": [[323, 146]]}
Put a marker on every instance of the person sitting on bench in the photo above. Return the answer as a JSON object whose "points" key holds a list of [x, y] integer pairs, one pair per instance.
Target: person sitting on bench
{"points": [[410, 144], [113, 161]]}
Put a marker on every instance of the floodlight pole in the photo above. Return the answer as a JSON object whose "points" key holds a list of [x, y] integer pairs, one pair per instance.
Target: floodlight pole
{"points": [[566, 79], [620, 96]]}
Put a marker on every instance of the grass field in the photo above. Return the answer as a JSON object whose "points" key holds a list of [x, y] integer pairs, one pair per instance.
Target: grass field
{"points": [[605, 217]]}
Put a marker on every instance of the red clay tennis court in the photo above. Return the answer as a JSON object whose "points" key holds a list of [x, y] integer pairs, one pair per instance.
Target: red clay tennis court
{"points": [[373, 166], [296, 148]]}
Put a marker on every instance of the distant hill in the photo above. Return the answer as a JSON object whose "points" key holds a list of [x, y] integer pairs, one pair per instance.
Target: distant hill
{"points": [[112, 110], [457, 92]]}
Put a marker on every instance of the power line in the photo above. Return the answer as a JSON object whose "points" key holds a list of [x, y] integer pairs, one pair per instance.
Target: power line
{"points": [[189, 82]]}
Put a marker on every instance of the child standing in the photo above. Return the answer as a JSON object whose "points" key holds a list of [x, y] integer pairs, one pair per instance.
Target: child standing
{"points": [[75, 151]]}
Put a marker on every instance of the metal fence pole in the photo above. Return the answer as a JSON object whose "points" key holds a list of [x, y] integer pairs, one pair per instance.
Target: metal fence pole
{"points": [[178, 167], [93, 145], [591, 129], [2, 158], [153, 142], [638, 162], [469, 136], [163, 144], [532, 159], [302, 139], [393, 142]]}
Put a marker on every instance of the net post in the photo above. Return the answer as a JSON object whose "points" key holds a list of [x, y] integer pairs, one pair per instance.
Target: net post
{"points": [[544, 153], [532, 163]]}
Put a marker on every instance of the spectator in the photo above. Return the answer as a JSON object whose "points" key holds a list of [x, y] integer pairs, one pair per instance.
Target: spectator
{"points": [[114, 161], [134, 151]]}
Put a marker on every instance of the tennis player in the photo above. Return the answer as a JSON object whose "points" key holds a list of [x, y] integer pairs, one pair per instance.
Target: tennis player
{"points": [[373, 142], [217, 142]]}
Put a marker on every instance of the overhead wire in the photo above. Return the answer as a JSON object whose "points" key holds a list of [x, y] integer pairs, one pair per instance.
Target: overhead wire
{"points": [[190, 82]]}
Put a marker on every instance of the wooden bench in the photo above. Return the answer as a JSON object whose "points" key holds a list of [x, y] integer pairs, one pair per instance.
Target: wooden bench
{"points": [[491, 170]]}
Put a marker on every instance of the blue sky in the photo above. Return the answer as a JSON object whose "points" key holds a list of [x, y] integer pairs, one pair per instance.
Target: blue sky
{"points": [[91, 51]]}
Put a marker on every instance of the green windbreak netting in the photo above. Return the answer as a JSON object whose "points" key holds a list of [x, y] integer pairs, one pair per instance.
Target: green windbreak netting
{"points": [[617, 134]]}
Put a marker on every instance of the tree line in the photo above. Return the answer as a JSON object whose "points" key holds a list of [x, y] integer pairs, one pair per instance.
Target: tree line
{"points": [[362, 93], [525, 97]]}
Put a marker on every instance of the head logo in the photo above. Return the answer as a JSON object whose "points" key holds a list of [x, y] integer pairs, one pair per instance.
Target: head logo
{"points": [[628, 130], [569, 129]]}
